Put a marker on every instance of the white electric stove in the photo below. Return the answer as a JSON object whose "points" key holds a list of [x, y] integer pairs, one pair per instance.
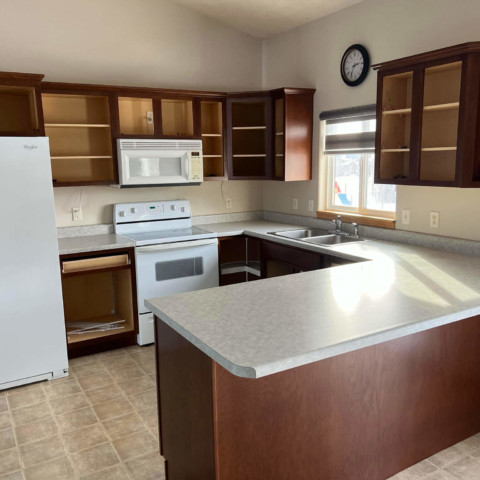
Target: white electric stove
{"points": [[171, 255]]}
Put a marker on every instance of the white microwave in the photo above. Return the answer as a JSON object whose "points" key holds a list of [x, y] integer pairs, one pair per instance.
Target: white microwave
{"points": [[144, 163]]}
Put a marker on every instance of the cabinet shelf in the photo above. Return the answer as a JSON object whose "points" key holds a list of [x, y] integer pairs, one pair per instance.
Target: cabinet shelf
{"points": [[399, 111], [75, 338], [78, 125], [441, 106], [212, 156], [439, 149], [260, 127], [395, 150], [80, 157], [211, 134], [252, 267], [250, 155], [279, 133]]}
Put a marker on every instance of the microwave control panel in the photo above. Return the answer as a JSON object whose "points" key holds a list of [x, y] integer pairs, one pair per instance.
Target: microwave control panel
{"points": [[196, 166]]}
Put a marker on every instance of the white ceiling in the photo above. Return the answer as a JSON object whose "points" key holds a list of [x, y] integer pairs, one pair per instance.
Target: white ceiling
{"points": [[265, 18]]}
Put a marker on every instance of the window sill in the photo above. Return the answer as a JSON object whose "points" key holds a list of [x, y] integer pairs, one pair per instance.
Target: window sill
{"points": [[360, 219]]}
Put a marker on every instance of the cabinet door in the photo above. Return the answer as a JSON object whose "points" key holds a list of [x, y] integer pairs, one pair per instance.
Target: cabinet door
{"points": [[394, 127], [293, 127], [249, 138]]}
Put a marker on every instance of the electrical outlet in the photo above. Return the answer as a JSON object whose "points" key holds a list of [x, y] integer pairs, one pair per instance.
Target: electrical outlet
{"points": [[295, 204], [405, 217], [76, 213], [310, 205], [434, 219], [228, 202], [149, 117]]}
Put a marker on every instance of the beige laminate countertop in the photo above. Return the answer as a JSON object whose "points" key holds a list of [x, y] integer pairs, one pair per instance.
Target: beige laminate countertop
{"points": [[271, 325]]}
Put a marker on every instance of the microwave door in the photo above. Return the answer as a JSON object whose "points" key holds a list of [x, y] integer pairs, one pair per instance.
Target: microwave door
{"points": [[159, 167]]}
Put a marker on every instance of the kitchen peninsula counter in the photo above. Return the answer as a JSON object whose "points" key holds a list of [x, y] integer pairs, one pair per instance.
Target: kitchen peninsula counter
{"points": [[357, 371]]}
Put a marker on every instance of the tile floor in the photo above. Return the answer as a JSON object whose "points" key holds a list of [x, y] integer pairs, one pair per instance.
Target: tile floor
{"points": [[100, 423]]}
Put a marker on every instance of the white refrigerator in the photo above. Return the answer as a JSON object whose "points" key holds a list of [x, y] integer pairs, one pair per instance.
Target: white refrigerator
{"points": [[32, 326]]}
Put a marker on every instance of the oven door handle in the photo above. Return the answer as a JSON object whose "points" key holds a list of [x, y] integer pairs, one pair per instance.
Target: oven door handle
{"points": [[176, 245]]}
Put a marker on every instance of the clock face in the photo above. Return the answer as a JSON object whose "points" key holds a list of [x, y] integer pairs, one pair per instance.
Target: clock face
{"points": [[355, 64]]}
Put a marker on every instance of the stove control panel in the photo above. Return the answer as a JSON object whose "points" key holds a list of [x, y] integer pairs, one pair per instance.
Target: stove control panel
{"points": [[150, 211]]}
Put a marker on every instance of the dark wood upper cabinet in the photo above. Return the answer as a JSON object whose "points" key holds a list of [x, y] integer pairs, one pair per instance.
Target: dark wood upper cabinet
{"points": [[270, 135], [292, 134], [428, 119], [249, 137], [20, 105]]}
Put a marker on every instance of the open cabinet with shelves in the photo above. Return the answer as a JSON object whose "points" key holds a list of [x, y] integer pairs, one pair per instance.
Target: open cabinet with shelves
{"points": [[79, 129], [177, 118], [249, 137], [99, 299], [427, 113], [212, 128]]}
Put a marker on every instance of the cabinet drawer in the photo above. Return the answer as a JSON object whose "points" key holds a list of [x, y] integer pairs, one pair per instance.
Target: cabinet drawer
{"points": [[86, 264], [294, 256]]}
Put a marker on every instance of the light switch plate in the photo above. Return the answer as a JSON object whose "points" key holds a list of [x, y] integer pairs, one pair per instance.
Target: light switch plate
{"points": [[76, 213]]}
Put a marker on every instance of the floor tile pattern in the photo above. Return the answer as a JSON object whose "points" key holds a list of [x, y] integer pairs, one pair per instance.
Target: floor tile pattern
{"points": [[99, 423]]}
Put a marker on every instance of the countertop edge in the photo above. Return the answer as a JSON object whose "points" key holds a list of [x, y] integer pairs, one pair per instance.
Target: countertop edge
{"points": [[317, 355]]}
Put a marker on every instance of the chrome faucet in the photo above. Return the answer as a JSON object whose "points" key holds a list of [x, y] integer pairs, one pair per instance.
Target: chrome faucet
{"points": [[338, 224], [355, 229]]}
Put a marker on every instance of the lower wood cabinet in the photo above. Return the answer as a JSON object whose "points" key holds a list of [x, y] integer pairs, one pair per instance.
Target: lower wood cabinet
{"points": [[244, 258], [278, 260], [99, 298]]}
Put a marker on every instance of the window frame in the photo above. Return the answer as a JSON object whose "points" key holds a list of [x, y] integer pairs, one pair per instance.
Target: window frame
{"points": [[363, 179]]}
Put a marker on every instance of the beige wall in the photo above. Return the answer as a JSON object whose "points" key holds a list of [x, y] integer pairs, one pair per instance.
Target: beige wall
{"points": [[309, 56], [206, 199], [138, 43]]}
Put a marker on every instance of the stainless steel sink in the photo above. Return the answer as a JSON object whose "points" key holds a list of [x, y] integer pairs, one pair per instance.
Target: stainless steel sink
{"points": [[332, 239], [301, 233]]}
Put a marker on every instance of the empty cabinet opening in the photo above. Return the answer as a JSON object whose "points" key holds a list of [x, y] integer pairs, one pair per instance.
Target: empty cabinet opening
{"points": [[397, 92], [438, 165], [177, 117], [75, 109], [18, 110], [92, 142], [248, 114], [82, 170], [249, 142], [394, 165], [395, 134], [136, 116], [98, 298], [211, 114], [249, 166], [442, 85]]}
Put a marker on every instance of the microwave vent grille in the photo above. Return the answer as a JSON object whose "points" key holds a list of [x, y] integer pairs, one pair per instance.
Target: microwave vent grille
{"points": [[129, 144]]}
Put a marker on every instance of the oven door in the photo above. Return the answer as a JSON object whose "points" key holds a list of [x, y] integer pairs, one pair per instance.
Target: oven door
{"points": [[172, 268]]}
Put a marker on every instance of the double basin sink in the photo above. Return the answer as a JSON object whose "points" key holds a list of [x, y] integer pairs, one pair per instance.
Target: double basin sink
{"points": [[317, 236]]}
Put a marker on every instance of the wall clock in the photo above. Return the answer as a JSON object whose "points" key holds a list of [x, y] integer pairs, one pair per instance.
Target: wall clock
{"points": [[354, 65]]}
